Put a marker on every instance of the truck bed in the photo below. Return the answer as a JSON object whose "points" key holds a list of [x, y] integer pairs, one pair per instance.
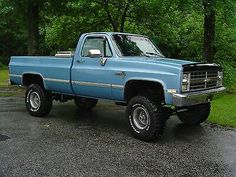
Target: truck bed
{"points": [[55, 71]]}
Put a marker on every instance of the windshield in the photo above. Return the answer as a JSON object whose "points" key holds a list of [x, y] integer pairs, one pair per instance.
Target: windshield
{"points": [[131, 45]]}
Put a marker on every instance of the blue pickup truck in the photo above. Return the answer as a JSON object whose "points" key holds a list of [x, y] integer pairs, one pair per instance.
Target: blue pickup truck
{"points": [[126, 68]]}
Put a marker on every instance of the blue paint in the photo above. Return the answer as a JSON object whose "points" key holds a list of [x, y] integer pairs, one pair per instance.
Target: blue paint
{"points": [[167, 72]]}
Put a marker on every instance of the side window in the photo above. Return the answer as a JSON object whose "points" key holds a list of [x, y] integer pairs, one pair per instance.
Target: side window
{"points": [[96, 43]]}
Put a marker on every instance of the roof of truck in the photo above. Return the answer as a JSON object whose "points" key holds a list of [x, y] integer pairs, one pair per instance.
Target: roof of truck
{"points": [[112, 33]]}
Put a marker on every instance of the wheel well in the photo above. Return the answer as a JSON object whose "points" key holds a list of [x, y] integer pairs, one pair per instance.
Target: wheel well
{"points": [[146, 88], [32, 79]]}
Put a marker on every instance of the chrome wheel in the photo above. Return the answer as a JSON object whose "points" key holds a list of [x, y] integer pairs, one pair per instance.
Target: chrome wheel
{"points": [[145, 118], [141, 118], [38, 101], [34, 100]]}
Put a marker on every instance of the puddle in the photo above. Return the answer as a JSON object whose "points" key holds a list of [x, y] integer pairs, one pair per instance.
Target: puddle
{"points": [[4, 137]]}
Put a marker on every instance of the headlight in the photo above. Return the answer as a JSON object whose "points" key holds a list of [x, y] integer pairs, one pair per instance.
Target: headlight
{"points": [[185, 78], [220, 78], [185, 82]]}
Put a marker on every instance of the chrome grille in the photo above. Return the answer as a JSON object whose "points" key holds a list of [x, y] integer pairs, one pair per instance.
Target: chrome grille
{"points": [[200, 80]]}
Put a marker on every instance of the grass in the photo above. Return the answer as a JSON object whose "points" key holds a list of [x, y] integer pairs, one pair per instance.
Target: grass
{"points": [[5, 89], [223, 110], [3, 77]]}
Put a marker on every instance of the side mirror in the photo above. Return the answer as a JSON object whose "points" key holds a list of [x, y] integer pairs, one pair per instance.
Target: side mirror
{"points": [[94, 53]]}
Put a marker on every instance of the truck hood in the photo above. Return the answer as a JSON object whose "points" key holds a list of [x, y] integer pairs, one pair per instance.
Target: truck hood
{"points": [[162, 61], [175, 62]]}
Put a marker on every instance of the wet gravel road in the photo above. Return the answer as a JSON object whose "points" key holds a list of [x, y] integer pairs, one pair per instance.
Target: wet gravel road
{"points": [[71, 143]]}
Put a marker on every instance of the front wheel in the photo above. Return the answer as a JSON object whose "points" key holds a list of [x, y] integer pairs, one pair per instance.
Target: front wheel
{"points": [[38, 101], [195, 115], [146, 120]]}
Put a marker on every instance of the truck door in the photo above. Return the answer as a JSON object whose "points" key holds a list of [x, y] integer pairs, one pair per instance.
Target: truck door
{"points": [[91, 76]]}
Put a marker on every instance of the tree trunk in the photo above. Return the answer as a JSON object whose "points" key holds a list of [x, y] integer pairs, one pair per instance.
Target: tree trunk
{"points": [[123, 18], [111, 20], [209, 30], [33, 27]]}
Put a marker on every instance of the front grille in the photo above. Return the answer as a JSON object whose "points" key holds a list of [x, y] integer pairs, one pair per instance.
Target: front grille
{"points": [[200, 80], [203, 74]]}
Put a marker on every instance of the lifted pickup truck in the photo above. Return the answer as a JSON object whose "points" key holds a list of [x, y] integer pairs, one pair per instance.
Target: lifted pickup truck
{"points": [[126, 68]]}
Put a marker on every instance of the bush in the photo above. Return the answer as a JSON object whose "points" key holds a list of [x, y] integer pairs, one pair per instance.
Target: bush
{"points": [[229, 74], [1, 65]]}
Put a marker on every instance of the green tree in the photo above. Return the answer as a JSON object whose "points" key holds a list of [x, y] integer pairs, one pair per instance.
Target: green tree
{"points": [[12, 33], [28, 10], [31, 11]]}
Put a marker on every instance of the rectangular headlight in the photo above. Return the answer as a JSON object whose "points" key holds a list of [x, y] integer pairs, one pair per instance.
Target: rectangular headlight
{"points": [[220, 78], [185, 78], [185, 82]]}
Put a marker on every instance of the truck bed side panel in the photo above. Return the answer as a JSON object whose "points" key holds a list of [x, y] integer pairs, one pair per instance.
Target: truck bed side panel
{"points": [[54, 71]]}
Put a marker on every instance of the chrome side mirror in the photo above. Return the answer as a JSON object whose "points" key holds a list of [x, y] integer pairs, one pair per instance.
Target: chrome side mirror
{"points": [[94, 53]]}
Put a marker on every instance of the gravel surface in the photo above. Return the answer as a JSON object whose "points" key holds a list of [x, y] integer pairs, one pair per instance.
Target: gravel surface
{"points": [[72, 143]]}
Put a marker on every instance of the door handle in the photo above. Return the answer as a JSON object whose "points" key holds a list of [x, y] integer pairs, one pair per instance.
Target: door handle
{"points": [[120, 73], [103, 61]]}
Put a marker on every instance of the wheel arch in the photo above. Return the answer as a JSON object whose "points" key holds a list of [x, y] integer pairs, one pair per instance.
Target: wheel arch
{"points": [[132, 87], [33, 78]]}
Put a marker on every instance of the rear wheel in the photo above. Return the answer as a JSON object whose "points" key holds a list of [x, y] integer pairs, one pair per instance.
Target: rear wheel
{"points": [[195, 115], [38, 101], [85, 104], [146, 120]]}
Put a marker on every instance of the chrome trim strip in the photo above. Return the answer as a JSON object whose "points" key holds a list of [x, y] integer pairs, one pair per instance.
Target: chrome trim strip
{"points": [[103, 85], [92, 84], [15, 75], [117, 86], [57, 80]]}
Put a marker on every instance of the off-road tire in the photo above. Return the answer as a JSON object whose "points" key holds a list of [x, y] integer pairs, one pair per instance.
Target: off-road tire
{"points": [[154, 111], [44, 104], [195, 115], [85, 104]]}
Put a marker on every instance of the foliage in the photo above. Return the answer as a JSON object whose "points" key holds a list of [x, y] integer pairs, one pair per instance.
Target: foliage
{"points": [[175, 26], [229, 73], [12, 34]]}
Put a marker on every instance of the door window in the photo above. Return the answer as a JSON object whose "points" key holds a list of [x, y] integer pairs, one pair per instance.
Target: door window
{"points": [[99, 43]]}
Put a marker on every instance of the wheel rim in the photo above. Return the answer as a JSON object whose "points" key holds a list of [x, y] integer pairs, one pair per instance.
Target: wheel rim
{"points": [[34, 100], [141, 118]]}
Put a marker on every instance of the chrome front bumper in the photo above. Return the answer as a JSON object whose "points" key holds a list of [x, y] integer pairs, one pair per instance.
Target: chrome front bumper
{"points": [[189, 99]]}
